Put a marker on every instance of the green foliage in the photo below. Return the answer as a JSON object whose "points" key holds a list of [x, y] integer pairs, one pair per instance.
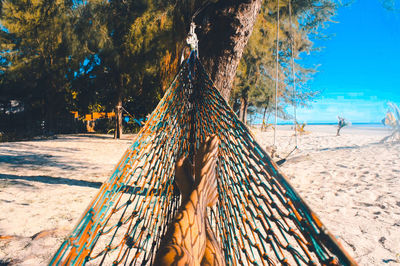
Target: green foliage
{"points": [[257, 73], [74, 55], [96, 108], [36, 44], [135, 55], [58, 56]]}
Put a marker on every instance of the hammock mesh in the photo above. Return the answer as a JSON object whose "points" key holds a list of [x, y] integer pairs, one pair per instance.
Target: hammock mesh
{"points": [[259, 218]]}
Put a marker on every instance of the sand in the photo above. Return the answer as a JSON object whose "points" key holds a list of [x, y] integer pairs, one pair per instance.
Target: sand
{"points": [[352, 182]]}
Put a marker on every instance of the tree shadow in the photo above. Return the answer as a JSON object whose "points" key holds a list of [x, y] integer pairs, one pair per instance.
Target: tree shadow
{"points": [[5, 183], [24, 147], [352, 147], [13, 180], [340, 148], [35, 159], [94, 136], [80, 136], [389, 260], [53, 180], [5, 262]]}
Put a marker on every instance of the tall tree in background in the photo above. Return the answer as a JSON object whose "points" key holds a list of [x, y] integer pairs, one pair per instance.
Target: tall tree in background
{"points": [[132, 55], [255, 83], [144, 40], [35, 42], [137, 53], [99, 55]]}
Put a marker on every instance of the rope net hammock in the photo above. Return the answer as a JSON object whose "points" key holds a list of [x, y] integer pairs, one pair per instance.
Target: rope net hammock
{"points": [[259, 218]]}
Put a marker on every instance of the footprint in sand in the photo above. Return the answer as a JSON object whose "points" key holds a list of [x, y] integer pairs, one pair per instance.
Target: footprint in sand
{"points": [[381, 206], [366, 204]]}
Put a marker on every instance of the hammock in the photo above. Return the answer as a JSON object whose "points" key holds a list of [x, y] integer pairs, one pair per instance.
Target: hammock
{"points": [[259, 218]]}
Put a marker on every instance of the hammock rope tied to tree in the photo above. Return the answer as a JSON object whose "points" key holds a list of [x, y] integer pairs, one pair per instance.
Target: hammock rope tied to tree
{"points": [[259, 218]]}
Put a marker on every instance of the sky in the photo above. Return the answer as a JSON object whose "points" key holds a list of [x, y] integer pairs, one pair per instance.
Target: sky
{"points": [[359, 65]]}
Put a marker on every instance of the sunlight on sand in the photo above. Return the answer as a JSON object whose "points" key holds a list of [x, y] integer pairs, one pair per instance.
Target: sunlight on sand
{"points": [[352, 182]]}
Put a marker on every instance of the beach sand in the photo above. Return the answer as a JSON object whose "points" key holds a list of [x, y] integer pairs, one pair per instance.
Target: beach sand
{"points": [[352, 182]]}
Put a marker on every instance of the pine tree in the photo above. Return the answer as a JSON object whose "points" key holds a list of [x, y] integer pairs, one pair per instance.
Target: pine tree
{"points": [[72, 55], [35, 43], [255, 82], [136, 53]]}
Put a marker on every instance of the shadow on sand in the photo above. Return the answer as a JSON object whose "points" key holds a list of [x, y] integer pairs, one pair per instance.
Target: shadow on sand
{"points": [[94, 136], [66, 181], [352, 147], [53, 180], [34, 159]]}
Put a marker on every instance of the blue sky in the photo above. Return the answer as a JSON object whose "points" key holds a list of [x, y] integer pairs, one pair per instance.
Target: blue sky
{"points": [[359, 68]]}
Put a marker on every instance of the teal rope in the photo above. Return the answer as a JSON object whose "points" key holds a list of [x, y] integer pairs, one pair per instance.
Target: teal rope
{"points": [[253, 209]]}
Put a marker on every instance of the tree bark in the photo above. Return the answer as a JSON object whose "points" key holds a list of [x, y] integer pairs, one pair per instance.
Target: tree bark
{"points": [[118, 120], [224, 30]]}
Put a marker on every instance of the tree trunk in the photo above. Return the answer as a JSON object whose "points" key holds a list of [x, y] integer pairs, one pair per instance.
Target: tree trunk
{"points": [[118, 119], [118, 108], [243, 109], [263, 120], [50, 101], [225, 28]]}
